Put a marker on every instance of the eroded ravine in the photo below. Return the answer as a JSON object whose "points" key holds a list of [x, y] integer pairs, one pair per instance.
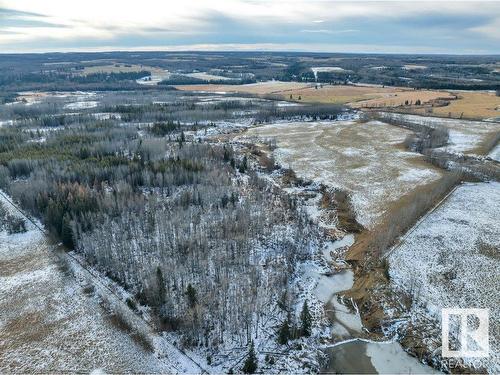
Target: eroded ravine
{"points": [[315, 153]]}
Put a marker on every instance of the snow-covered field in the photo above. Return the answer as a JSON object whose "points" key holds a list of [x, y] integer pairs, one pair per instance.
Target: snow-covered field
{"points": [[48, 324], [363, 158], [452, 259], [465, 136]]}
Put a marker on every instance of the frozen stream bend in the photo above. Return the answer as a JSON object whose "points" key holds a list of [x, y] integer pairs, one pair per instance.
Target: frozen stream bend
{"points": [[356, 355]]}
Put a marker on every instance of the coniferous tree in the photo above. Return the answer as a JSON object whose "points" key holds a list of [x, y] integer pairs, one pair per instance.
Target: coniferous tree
{"points": [[243, 165], [191, 296], [284, 331], [250, 365], [306, 320], [66, 232], [161, 286]]}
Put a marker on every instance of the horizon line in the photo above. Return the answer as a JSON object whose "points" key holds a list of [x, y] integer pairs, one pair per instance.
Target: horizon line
{"points": [[245, 51]]}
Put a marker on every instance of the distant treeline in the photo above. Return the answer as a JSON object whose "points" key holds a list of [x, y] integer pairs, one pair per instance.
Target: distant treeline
{"points": [[447, 85], [58, 82], [55, 77]]}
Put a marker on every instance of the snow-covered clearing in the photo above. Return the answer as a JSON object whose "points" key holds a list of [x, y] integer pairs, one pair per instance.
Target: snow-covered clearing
{"points": [[82, 104], [107, 116], [49, 324], [465, 136], [207, 76], [326, 69], [157, 75], [362, 158], [452, 259]]}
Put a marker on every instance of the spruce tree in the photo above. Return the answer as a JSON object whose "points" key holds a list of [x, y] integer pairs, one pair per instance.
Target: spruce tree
{"points": [[191, 296], [250, 365], [306, 320], [284, 331], [67, 232], [161, 286], [243, 165]]}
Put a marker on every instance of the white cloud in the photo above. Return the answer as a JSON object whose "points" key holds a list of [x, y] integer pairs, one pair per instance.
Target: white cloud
{"points": [[490, 30], [109, 19]]}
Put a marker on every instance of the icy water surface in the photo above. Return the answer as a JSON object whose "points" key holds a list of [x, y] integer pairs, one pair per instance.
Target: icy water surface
{"points": [[362, 357]]}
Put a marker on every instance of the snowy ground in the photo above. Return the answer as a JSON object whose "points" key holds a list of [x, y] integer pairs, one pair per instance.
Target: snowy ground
{"points": [[82, 105], [207, 76], [48, 323], [465, 136], [495, 153], [362, 158], [452, 259]]}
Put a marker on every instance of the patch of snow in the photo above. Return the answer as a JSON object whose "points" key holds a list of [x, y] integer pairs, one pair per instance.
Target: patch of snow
{"points": [[82, 105], [107, 116], [207, 77], [326, 69], [6, 123], [495, 153]]}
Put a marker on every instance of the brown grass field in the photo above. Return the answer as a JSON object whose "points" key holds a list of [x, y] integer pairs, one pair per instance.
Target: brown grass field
{"points": [[357, 96], [262, 88], [473, 105], [400, 98], [468, 105]]}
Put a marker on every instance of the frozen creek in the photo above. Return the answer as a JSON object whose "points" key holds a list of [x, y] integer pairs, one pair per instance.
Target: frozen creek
{"points": [[356, 355]]}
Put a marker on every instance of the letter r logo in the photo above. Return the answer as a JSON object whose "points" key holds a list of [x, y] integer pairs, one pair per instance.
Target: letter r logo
{"points": [[467, 326]]}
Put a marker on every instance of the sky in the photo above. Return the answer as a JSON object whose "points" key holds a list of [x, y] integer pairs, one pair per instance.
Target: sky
{"points": [[455, 27]]}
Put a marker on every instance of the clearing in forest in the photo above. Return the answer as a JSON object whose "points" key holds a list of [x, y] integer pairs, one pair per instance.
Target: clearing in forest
{"points": [[367, 159]]}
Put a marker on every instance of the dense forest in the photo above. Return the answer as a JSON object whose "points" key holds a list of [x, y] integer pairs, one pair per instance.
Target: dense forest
{"points": [[187, 226]]}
